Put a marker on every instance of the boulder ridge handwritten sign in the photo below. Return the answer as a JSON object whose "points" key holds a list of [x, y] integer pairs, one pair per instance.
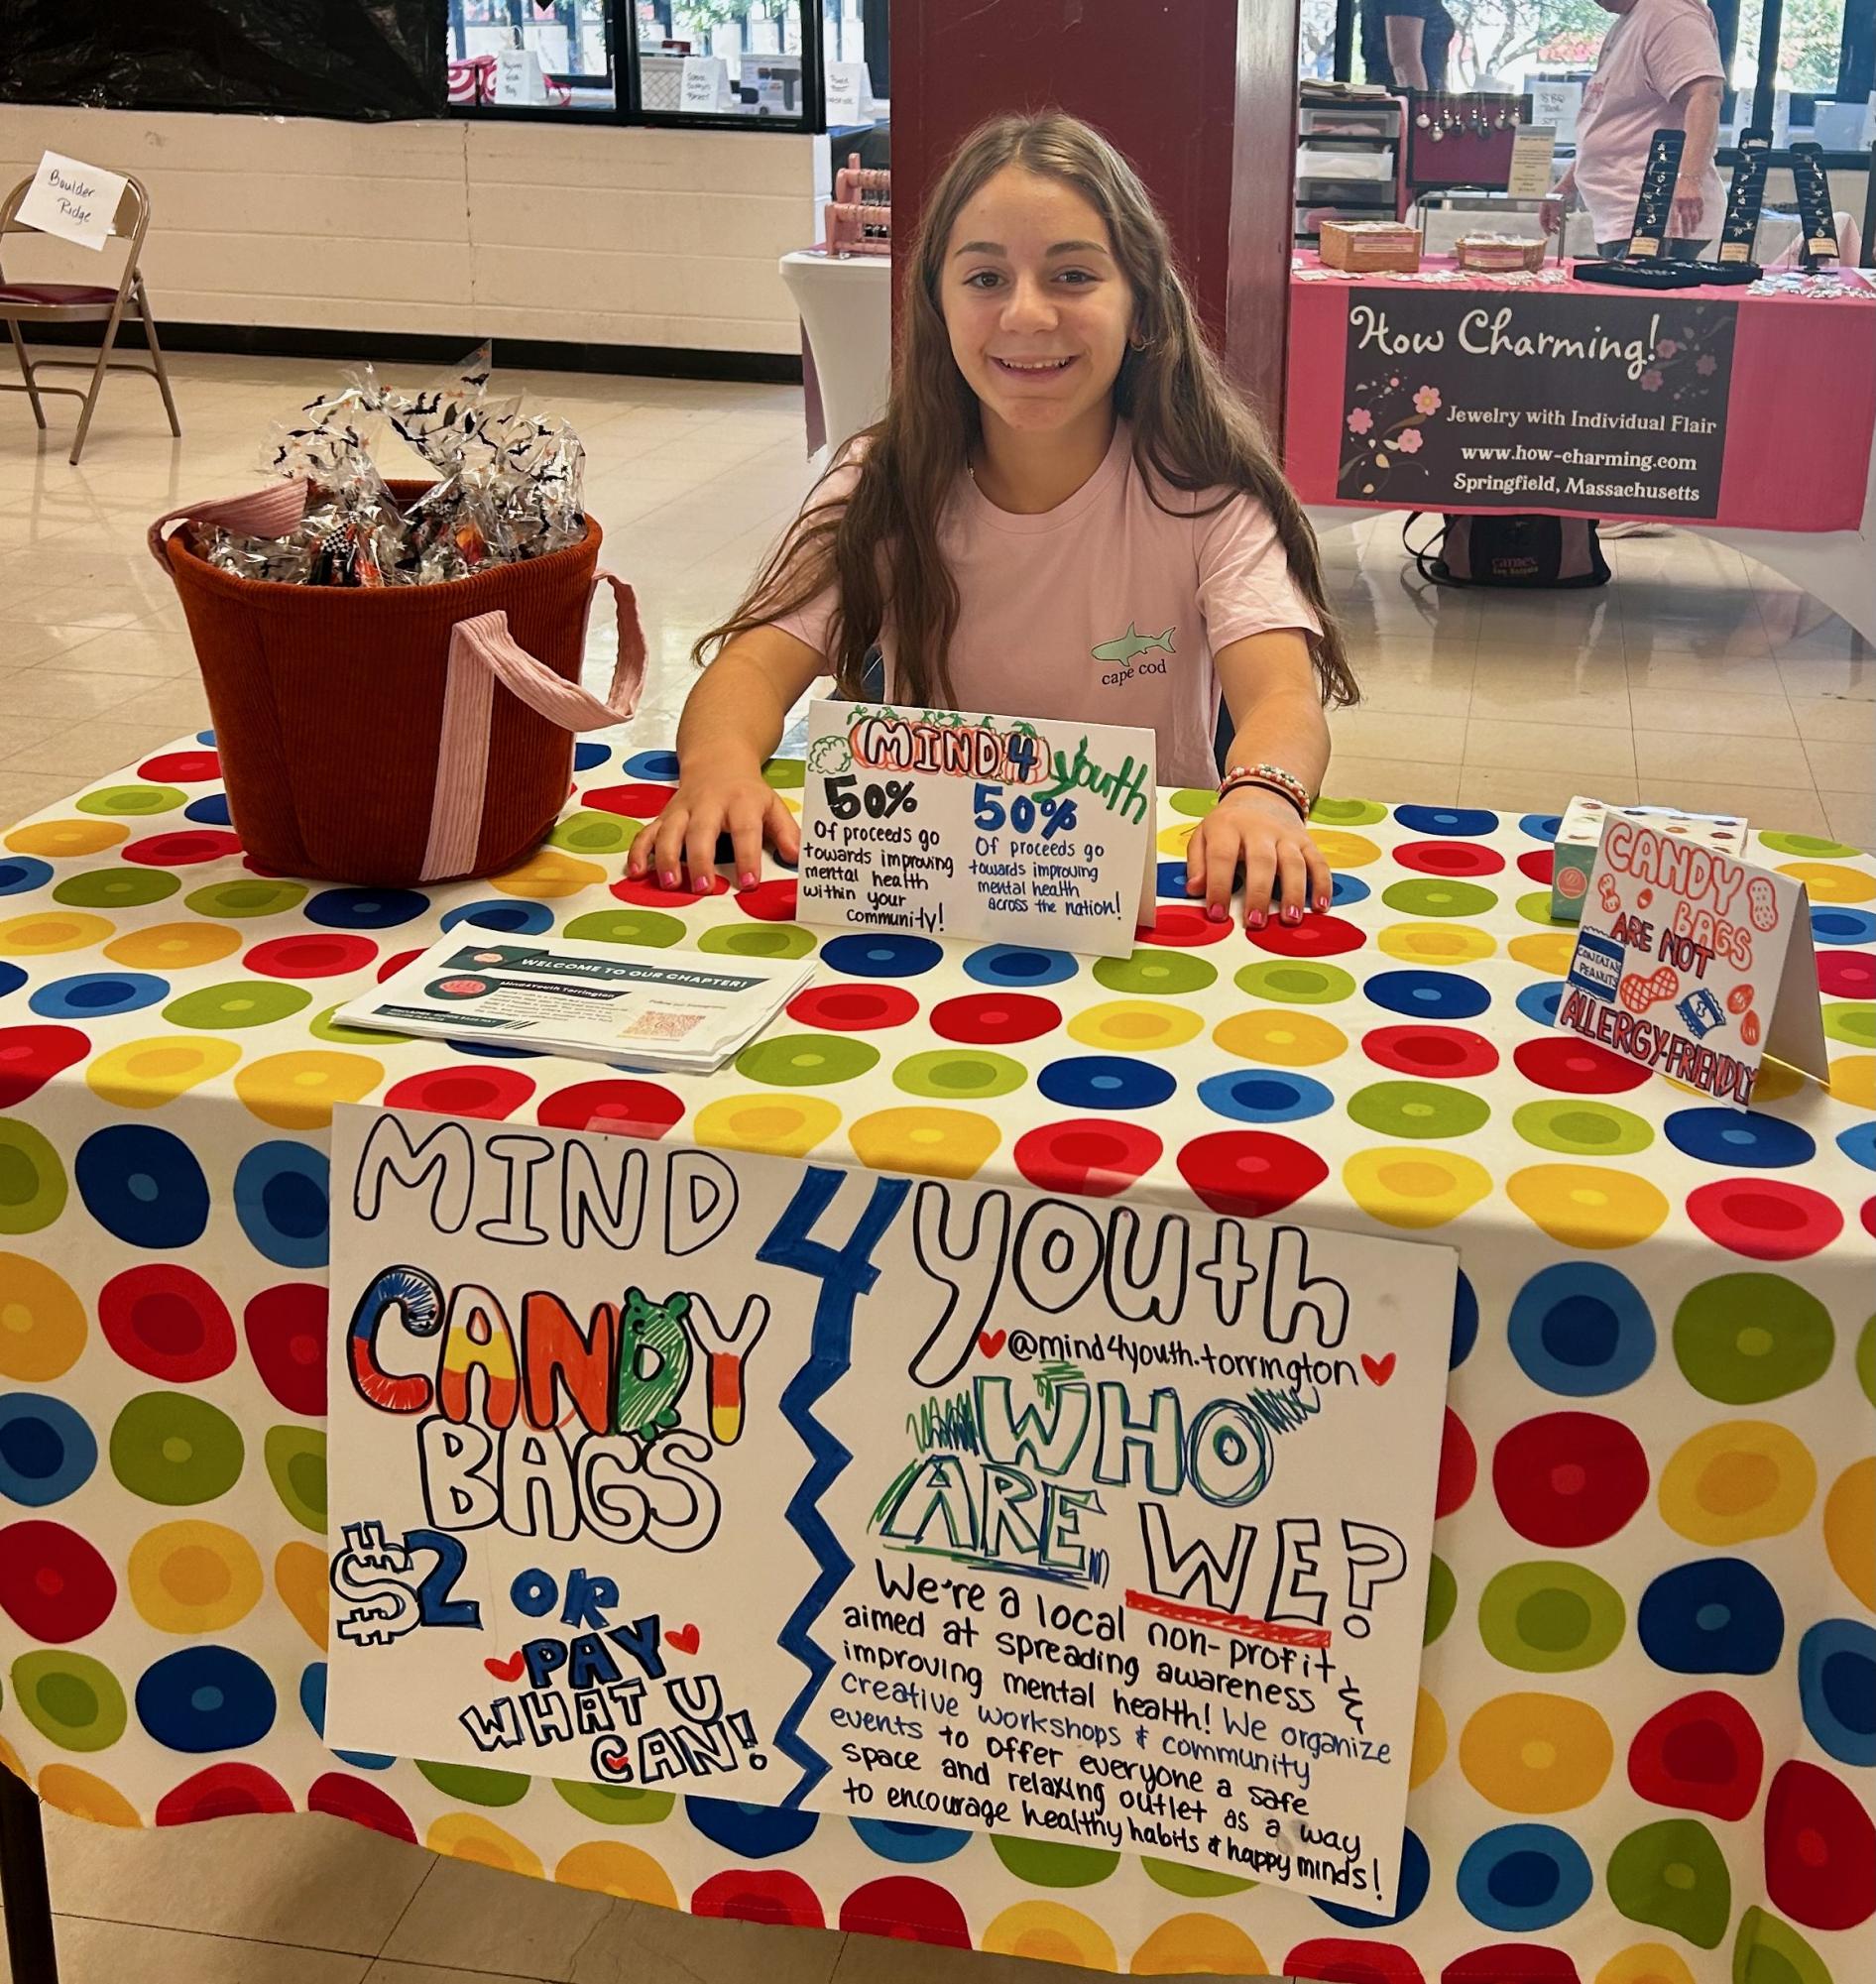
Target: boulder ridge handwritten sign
{"points": [[988, 828], [919, 1500], [1694, 964], [75, 201]]}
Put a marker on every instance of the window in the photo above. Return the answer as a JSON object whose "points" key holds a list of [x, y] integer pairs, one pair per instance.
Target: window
{"points": [[845, 35], [519, 55], [1812, 44], [1498, 44], [1316, 38], [1856, 63], [723, 58], [1825, 53], [1823, 65], [738, 62]]}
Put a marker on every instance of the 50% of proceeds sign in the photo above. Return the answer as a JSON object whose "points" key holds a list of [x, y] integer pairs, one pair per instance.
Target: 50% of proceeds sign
{"points": [[989, 829]]}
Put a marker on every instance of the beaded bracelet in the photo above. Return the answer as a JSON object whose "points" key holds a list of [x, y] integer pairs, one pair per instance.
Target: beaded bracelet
{"points": [[1282, 792], [1273, 778]]}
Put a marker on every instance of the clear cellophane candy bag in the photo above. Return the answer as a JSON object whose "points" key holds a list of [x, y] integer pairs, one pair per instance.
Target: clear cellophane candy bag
{"points": [[508, 486]]}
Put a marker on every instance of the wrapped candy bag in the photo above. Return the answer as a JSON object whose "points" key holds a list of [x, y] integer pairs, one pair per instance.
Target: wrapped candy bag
{"points": [[283, 560], [508, 485]]}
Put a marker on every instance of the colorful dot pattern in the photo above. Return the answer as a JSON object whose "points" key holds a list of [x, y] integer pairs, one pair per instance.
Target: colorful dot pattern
{"points": [[1645, 1738]]}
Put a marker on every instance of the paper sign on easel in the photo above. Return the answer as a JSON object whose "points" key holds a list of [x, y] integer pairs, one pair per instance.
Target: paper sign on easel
{"points": [[1694, 964], [706, 84], [992, 829], [1533, 153], [75, 201]]}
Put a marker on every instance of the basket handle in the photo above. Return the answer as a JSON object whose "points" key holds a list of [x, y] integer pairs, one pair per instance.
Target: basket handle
{"points": [[482, 652], [273, 512]]}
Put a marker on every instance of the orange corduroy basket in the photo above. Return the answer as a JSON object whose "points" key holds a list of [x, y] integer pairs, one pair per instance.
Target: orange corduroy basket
{"points": [[396, 734]]}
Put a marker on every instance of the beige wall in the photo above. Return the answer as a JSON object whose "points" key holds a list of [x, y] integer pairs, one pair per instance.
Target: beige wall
{"points": [[580, 232]]}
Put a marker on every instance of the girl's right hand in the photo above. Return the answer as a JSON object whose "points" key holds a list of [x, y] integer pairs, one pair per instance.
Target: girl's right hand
{"points": [[710, 802]]}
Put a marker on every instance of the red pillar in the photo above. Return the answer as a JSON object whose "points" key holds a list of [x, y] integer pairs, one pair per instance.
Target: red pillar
{"points": [[1200, 96]]}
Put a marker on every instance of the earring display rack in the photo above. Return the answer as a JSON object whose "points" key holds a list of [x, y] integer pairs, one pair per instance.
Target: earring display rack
{"points": [[1461, 140]]}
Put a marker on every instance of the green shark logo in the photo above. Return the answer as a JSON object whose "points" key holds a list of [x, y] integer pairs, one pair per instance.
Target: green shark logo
{"points": [[1131, 643]]}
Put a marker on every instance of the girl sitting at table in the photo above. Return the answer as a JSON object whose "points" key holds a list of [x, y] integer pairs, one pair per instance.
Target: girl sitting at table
{"points": [[1066, 514]]}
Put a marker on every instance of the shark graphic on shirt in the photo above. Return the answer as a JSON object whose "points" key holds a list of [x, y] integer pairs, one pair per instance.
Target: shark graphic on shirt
{"points": [[1132, 643]]}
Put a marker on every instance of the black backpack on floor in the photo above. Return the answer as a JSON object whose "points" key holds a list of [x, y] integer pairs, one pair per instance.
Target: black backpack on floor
{"points": [[1517, 552]]}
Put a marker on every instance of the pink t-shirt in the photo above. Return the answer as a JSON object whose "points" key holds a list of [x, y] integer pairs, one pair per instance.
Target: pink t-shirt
{"points": [[1649, 54], [1105, 609]]}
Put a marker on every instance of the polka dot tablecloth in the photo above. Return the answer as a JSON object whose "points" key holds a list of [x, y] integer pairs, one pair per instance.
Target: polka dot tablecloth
{"points": [[1647, 1726]]}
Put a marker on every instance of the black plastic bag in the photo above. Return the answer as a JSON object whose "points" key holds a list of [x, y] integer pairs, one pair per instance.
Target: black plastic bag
{"points": [[355, 58]]}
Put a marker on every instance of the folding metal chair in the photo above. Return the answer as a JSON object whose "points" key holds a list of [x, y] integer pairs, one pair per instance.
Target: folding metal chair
{"points": [[82, 303]]}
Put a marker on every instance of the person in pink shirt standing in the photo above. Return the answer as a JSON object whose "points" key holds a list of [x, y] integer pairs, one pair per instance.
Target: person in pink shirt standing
{"points": [[1660, 67], [1066, 513]]}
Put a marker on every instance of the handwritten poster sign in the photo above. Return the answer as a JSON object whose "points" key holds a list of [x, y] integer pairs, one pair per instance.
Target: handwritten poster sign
{"points": [[75, 201], [1693, 963], [706, 82], [1469, 399], [918, 1500], [848, 93], [519, 77], [1557, 104], [990, 828]]}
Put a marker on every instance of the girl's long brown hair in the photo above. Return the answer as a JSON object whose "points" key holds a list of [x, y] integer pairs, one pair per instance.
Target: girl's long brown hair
{"points": [[878, 548]]}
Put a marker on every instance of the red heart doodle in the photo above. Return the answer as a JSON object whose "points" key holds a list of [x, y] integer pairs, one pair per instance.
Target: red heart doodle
{"points": [[1379, 1370], [686, 1639], [505, 1670], [991, 1342], [615, 1762]]}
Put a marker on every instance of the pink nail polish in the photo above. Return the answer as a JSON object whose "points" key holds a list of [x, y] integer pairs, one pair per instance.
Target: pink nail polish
{"points": [[1215, 912], [701, 884], [746, 879], [1292, 914], [669, 878], [1255, 920], [1321, 904]]}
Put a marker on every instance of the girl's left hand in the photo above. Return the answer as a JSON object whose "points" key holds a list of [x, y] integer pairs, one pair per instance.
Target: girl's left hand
{"points": [[1284, 871]]}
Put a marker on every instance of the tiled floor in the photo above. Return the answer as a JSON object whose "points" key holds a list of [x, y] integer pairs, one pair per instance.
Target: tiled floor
{"points": [[1695, 679]]}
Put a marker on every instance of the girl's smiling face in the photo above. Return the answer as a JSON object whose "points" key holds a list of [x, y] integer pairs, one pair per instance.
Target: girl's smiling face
{"points": [[1038, 310]]}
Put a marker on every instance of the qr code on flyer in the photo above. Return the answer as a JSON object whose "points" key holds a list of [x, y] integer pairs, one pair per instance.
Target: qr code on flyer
{"points": [[663, 1023]]}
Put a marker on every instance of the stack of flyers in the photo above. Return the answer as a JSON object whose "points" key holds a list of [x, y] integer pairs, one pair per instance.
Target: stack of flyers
{"points": [[675, 1011]]}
